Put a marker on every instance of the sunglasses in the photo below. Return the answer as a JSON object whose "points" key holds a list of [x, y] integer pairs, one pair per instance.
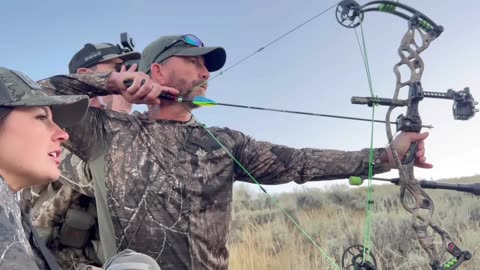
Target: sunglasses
{"points": [[187, 39], [118, 67]]}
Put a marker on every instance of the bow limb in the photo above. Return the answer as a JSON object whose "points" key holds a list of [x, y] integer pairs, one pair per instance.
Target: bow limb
{"points": [[413, 198]]}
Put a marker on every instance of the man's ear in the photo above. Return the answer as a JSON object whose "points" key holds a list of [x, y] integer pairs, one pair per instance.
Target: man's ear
{"points": [[83, 70], [157, 73]]}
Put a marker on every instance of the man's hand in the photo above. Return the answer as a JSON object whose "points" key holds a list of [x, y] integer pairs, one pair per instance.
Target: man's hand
{"points": [[402, 143], [143, 90]]}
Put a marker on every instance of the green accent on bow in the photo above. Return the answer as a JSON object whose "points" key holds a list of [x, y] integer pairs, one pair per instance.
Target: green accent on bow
{"points": [[367, 242], [387, 8]]}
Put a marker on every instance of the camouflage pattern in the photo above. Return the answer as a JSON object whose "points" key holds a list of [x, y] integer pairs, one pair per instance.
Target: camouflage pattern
{"points": [[76, 174], [169, 184], [48, 205], [16, 252], [17, 89], [50, 201]]}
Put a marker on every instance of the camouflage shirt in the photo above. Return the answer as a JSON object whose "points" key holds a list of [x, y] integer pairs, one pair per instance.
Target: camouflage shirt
{"points": [[170, 183], [48, 206], [16, 251]]}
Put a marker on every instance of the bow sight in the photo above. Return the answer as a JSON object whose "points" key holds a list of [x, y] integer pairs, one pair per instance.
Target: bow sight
{"points": [[463, 104], [413, 198]]}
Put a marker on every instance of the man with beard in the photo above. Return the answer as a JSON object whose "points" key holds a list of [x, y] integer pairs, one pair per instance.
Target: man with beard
{"points": [[169, 179]]}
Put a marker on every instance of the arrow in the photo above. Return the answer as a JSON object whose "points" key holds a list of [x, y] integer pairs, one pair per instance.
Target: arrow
{"points": [[206, 102]]}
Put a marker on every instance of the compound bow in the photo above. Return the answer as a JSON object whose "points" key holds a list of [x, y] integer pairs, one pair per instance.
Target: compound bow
{"points": [[350, 14]]}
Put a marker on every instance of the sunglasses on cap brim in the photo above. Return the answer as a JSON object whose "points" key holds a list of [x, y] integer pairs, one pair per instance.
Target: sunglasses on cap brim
{"points": [[187, 39]]}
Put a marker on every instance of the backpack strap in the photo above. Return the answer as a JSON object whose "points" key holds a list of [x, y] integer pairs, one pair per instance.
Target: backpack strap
{"points": [[38, 242], [105, 224]]}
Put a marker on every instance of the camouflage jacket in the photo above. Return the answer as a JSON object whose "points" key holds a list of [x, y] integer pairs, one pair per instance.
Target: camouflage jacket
{"points": [[16, 251], [170, 184], [48, 206]]}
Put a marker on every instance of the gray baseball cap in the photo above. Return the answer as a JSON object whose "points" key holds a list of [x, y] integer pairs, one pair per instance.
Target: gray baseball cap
{"points": [[181, 45], [92, 54], [18, 90]]}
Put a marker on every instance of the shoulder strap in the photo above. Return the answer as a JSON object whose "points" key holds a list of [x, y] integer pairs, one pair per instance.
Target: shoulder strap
{"points": [[38, 242], [105, 224]]}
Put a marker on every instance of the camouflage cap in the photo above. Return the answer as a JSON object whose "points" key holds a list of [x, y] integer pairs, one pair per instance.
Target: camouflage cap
{"points": [[167, 46], [92, 54], [18, 90]]}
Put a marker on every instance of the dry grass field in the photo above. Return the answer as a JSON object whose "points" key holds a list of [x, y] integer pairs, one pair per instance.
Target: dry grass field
{"points": [[263, 238]]}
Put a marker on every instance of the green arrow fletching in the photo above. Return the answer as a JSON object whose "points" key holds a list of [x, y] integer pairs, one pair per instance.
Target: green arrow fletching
{"points": [[203, 101]]}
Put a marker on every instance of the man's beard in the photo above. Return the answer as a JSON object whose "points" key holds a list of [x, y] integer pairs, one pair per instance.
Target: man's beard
{"points": [[187, 90]]}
